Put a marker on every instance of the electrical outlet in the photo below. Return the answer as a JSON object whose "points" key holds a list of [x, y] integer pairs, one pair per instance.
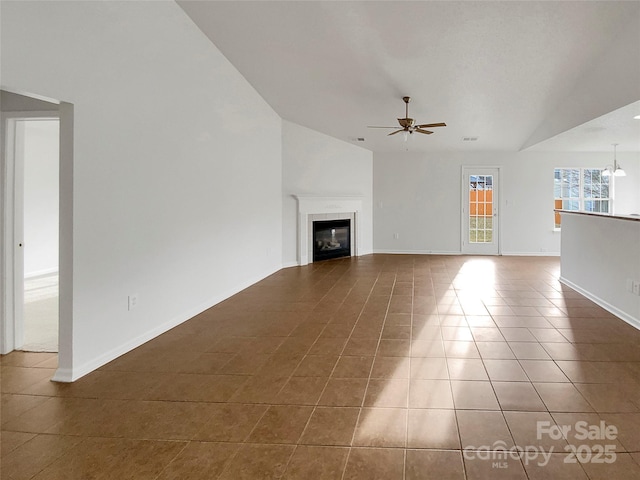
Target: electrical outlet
{"points": [[636, 287], [132, 301], [630, 285], [396, 236]]}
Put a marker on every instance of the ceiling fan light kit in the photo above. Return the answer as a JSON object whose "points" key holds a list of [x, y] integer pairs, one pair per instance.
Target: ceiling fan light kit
{"points": [[408, 124]]}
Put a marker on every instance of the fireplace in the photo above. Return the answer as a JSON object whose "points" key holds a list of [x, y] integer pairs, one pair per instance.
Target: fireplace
{"points": [[331, 239], [314, 208]]}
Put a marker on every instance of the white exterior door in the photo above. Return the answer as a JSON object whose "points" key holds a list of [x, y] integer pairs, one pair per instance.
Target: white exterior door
{"points": [[480, 215]]}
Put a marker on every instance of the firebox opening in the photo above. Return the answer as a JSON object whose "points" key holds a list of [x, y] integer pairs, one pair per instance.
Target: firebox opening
{"points": [[331, 239]]}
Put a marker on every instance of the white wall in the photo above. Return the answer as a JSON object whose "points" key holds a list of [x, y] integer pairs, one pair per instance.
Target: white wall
{"points": [[606, 85], [177, 164], [627, 189], [418, 196], [41, 145], [314, 163], [599, 256]]}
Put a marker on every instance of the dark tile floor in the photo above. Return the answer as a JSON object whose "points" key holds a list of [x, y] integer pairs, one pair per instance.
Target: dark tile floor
{"points": [[381, 367]]}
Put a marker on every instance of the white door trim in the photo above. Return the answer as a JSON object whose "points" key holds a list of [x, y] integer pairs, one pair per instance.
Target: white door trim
{"points": [[496, 246], [65, 114], [11, 316]]}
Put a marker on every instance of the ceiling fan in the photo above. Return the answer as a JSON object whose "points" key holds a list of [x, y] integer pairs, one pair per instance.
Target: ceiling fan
{"points": [[407, 123]]}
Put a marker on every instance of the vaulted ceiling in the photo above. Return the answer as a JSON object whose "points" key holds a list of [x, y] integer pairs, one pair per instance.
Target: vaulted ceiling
{"points": [[513, 74]]}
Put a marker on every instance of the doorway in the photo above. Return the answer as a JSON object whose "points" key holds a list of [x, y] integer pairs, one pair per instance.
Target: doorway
{"points": [[16, 107], [480, 216], [37, 212]]}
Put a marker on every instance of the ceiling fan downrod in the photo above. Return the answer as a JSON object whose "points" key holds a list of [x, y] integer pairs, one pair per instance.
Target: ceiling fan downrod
{"points": [[406, 106]]}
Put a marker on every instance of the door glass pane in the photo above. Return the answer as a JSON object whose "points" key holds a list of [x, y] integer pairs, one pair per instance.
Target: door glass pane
{"points": [[480, 208], [488, 233]]}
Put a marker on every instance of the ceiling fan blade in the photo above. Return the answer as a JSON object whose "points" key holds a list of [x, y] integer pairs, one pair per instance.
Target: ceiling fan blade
{"points": [[397, 131], [431, 125], [381, 127], [428, 132]]}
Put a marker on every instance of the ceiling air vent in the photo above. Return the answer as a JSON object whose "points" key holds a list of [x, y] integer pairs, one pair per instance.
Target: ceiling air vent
{"points": [[469, 139]]}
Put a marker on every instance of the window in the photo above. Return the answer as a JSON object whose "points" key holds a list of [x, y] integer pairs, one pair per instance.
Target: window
{"points": [[581, 189]]}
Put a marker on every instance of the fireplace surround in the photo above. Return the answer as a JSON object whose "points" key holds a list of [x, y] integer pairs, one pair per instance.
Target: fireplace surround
{"points": [[322, 208]]}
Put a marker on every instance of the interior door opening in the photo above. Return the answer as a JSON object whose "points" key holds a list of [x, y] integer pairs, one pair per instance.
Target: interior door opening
{"points": [[16, 108], [30, 175], [37, 142]]}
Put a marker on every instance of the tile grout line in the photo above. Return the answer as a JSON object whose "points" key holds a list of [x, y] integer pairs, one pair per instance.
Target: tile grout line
{"points": [[364, 397], [455, 410], [329, 377]]}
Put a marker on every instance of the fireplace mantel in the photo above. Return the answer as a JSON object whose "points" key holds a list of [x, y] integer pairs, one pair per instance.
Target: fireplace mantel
{"points": [[322, 207]]}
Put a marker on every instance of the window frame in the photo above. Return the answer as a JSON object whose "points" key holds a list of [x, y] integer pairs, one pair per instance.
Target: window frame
{"points": [[582, 199]]}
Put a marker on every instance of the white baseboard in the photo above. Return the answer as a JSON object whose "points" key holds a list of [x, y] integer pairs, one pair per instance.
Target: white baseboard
{"points": [[71, 375], [436, 252], [415, 252], [531, 254], [41, 273], [630, 319], [63, 375]]}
